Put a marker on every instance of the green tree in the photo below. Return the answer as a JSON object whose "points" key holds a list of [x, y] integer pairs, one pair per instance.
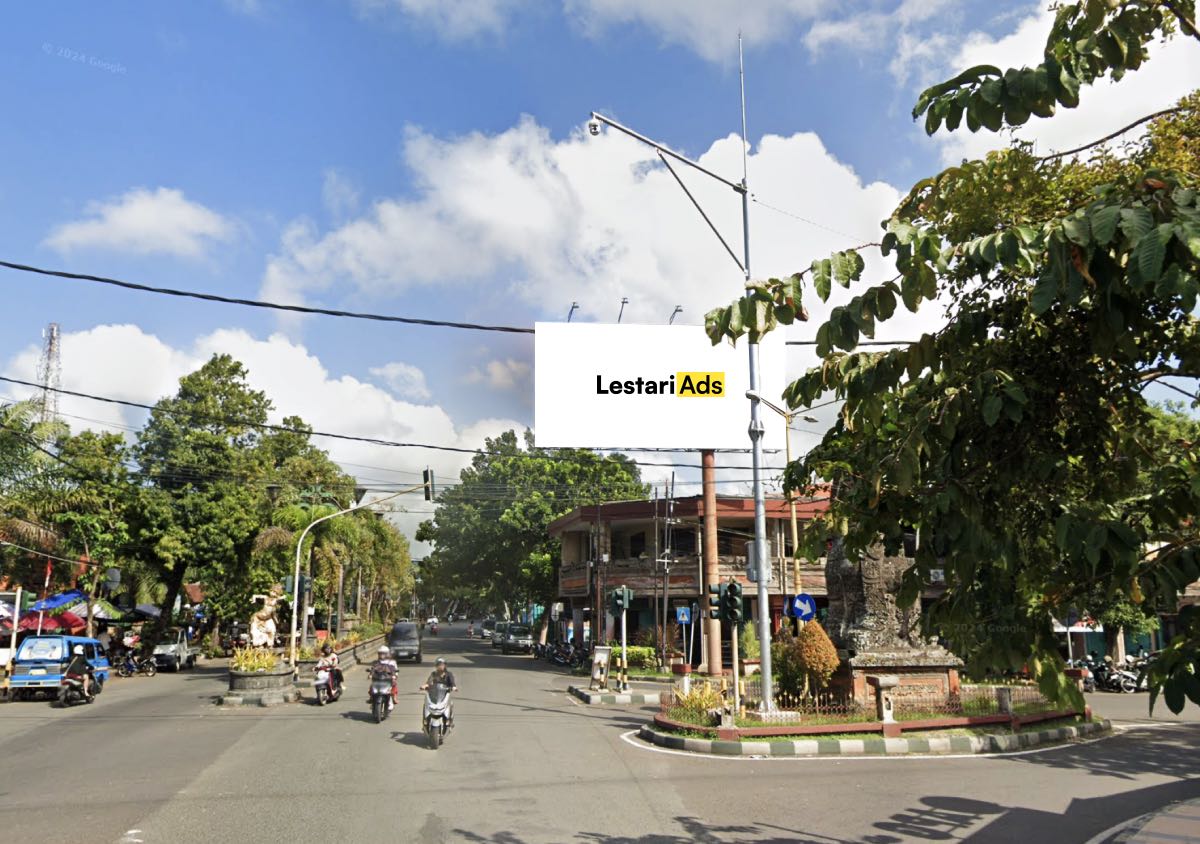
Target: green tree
{"points": [[198, 456], [1017, 440], [490, 532]]}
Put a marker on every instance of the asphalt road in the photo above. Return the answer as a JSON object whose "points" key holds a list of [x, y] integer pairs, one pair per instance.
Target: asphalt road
{"points": [[155, 761]]}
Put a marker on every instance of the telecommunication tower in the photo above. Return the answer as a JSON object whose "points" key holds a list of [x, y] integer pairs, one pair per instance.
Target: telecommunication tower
{"points": [[50, 372]]}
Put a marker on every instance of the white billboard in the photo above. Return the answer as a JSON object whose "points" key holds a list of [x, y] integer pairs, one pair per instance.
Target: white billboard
{"points": [[649, 386]]}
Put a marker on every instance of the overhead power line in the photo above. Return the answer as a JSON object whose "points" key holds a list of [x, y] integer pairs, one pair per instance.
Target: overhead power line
{"points": [[257, 303], [266, 426]]}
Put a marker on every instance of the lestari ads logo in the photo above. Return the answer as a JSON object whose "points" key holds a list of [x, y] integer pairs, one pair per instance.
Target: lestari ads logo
{"points": [[684, 385]]}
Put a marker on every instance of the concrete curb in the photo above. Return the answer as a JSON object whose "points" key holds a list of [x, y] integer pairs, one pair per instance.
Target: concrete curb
{"points": [[598, 698], [873, 746], [1175, 822]]}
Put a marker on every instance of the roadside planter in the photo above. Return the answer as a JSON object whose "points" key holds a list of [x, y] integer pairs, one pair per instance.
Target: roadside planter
{"points": [[265, 687]]}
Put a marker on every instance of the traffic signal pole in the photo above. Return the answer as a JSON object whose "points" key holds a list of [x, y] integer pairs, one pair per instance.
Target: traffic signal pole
{"points": [[624, 650]]}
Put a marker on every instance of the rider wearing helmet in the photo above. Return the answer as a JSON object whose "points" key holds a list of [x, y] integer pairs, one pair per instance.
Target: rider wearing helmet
{"points": [[79, 665], [384, 665], [440, 676], [329, 660]]}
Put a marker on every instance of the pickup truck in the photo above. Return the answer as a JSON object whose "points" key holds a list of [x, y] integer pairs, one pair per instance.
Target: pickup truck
{"points": [[174, 652]]}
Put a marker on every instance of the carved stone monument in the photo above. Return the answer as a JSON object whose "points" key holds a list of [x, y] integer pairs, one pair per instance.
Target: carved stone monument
{"points": [[262, 623], [877, 637]]}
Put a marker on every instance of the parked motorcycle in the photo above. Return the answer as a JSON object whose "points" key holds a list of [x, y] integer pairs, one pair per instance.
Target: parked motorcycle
{"points": [[329, 685], [1113, 679], [70, 689], [128, 665], [381, 696], [437, 714]]}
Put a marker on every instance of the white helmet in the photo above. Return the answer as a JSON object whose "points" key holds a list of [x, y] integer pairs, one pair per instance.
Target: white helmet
{"points": [[78, 650], [384, 649]]}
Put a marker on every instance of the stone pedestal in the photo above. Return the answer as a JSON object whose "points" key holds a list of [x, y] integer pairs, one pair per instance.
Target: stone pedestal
{"points": [[261, 688], [875, 636]]}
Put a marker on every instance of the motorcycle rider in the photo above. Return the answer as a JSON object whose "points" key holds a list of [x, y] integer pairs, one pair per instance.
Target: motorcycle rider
{"points": [[470, 629], [440, 676], [79, 665], [329, 661], [385, 665]]}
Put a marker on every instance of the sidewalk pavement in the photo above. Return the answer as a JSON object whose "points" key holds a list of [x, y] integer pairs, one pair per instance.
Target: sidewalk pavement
{"points": [[1178, 823]]}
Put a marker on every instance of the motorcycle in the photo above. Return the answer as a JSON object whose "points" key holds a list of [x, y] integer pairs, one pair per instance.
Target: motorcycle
{"points": [[433, 630], [1113, 679], [70, 689], [328, 685], [130, 665], [437, 714], [381, 696]]}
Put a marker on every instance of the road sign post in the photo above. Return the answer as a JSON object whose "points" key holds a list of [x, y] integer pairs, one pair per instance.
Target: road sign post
{"points": [[803, 607]]}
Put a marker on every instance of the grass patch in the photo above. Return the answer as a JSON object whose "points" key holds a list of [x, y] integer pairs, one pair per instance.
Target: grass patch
{"points": [[970, 732]]}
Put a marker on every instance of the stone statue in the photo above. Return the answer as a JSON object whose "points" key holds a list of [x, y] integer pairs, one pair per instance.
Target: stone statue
{"points": [[262, 623], [863, 614]]}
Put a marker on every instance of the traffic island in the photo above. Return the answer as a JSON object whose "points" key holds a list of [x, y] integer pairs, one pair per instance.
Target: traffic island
{"points": [[925, 745], [598, 698], [267, 687]]}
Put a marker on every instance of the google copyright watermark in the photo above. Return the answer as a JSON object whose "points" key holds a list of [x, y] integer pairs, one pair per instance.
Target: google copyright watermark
{"points": [[60, 52]]}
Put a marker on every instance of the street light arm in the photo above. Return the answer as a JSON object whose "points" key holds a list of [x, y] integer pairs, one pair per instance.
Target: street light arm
{"points": [[754, 396], [666, 151], [300, 546]]}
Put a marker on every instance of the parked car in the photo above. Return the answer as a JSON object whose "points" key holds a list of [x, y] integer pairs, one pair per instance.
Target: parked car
{"points": [[41, 660], [518, 638], [498, 633], [173, 651], [485, 629], [405, 641]]}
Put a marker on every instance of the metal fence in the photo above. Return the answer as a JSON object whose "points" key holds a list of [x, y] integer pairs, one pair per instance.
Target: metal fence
{"points": [[838, 706]]}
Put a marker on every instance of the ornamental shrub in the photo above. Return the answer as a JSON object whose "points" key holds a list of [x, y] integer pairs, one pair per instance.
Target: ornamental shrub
{"points": [[805, 662]]}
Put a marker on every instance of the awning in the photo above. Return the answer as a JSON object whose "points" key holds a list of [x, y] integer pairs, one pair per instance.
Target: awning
{"points": [[62, 599], [148, 609], [101, 609], [63, 621]]}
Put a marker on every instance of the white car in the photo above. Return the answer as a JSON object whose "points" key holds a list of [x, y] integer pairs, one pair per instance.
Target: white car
{"points": [[431, 620]]}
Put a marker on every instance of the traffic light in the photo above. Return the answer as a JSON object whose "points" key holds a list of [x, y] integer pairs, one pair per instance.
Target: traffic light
{"points": [[732, 603], [716, 601], [289, 584], [622, 599], [427, 480]]}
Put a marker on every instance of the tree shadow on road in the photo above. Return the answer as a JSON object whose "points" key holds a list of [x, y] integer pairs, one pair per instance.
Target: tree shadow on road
{"points": [[1169, 751], [691, 831], [1083, 819]]}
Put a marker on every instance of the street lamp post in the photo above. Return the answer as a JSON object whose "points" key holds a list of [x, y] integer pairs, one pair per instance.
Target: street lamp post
{"points": [[756, 426], [788, 416], [300, 546]]}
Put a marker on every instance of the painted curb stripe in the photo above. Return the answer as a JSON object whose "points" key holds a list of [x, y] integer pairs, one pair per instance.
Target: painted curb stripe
{"points": [[869, 747]]}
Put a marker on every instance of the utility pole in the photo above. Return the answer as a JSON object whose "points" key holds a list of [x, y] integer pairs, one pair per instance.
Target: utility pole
{"points": [[712, 566]]}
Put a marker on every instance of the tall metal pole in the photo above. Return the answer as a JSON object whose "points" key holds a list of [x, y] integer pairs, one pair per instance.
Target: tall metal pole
{"points": [[756, 434], [300, 545], [712, 564], [787, 433]]}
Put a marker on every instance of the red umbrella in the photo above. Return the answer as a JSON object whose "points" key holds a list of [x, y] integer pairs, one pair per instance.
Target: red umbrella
{"points": [[59, 622]]}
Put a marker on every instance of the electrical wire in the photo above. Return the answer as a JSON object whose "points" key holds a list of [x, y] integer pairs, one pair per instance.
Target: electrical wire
{"points": [[258, 303], [289, 430]]}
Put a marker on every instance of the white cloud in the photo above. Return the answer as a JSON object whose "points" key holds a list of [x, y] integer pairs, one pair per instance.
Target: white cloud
{"points": [[501, 374], [123, 361], [339, 194], [406, 380], [454, 20], [144, 222], [584, 219], [1170, 73], [707, 28]]}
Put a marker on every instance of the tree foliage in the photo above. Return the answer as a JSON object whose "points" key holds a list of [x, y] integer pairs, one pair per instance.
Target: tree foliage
{"points": [[1017, 440], [490, 532]]}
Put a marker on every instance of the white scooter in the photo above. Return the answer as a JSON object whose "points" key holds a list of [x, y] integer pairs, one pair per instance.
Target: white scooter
{"points": [[437, 714]]}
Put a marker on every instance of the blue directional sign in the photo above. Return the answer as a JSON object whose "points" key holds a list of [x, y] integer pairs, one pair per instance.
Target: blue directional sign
{"points": [[803, 606], [683, 615]]}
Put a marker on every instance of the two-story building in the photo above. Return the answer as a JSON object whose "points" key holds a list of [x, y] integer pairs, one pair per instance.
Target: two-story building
{"points": [[654, 548]]}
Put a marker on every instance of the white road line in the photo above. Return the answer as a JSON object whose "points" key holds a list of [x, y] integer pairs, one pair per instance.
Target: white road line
{"points": [[1112, 831], [641, 745]]}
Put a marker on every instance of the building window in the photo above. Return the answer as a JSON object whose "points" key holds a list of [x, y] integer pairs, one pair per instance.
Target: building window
{"points": [[637, 544]]}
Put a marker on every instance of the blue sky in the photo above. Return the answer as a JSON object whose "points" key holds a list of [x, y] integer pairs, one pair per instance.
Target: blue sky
{"points": [[392, 155]]}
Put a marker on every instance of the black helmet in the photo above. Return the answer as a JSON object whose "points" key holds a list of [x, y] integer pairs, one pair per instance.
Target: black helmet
{"points": [[327, 649]]}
